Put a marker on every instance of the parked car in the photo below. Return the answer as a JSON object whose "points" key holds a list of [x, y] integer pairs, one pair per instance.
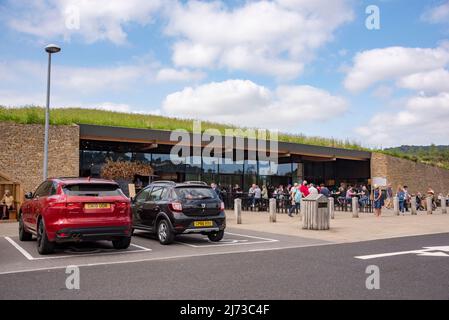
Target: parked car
{"points": [[76, 209], [168, 209]]}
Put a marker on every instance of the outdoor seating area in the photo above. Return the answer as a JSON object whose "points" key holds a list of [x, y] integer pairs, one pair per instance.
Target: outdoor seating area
{"points": [[10, 195]]}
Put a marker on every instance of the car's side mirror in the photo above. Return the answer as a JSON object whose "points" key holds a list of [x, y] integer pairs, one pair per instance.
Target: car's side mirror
{"points": [[29, 195]]}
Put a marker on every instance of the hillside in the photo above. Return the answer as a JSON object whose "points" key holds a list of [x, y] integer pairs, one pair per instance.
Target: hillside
{"points": [[433, 155]]}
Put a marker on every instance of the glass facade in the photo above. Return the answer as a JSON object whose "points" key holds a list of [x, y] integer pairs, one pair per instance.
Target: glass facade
{"points": [[211, 169]]}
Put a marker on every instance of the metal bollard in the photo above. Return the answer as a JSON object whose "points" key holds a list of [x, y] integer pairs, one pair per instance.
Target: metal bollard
{"points": [[272, 207], [238, 210], [396, 206], [443, 205], [355, 207], [429, 203], [413, 206], [331, 208]]}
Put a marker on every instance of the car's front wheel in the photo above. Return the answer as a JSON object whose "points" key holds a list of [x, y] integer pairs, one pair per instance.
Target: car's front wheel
{"points": [[216, 236], [44, 246], [122, 243], [164, 232]]}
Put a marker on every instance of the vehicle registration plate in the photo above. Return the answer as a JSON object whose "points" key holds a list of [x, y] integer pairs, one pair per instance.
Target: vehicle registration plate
{"points": [[97, 206], [202, 224]]}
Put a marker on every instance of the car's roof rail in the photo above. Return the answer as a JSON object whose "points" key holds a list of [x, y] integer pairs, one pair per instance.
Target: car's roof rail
{"points": [[164, 182], [197, 182]]}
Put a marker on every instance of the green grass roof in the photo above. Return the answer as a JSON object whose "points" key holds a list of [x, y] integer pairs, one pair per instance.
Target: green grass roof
{"points": [[67, 116]]}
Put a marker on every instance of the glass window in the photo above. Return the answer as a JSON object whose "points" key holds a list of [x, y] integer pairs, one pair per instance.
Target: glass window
{"points": [[284, 169], [93, 190], [195, 193], [250, 167], [143, 195], [163, 163], [193, 165], [43, 190], [54, 188], [265, 168], [210, 165], [156, 193], [232, 168]]}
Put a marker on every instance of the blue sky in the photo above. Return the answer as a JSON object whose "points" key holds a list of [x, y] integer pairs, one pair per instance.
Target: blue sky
{"points": [[299, 66]]}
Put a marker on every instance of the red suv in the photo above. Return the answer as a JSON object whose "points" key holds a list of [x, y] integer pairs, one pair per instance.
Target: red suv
{"points": [[76, 209]]}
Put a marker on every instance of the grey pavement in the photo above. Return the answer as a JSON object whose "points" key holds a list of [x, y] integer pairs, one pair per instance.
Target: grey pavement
{"points": [[311, 271]]}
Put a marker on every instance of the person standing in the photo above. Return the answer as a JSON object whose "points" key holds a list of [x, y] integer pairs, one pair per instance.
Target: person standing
{"points": [[378, 201], [217, 190], [304, 189], [296, 196], [389, 201], [407, 198], [401, 197], [312, 189], [257, 196]]}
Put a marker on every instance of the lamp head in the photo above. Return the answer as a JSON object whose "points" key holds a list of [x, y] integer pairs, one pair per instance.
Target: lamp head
{"points": [[52, 48]]}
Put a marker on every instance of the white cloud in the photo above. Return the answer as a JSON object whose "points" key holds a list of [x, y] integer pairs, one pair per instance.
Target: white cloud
{"points": [[373, 66], [98, 19], [242, 102], [430, 82], [266, 37], [422, 121], [383, 92], [437, 14], [183, 75]]}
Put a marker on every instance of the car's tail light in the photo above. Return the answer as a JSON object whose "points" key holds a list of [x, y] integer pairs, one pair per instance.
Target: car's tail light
{"points": [[222, 206], [176, 206], [74, 205], [121, 206], [57, 204]]}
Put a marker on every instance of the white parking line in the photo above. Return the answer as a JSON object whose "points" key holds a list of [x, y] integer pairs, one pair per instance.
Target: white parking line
{"points": [[161, 258], [234, 243], [21, 250], [31, 258]]}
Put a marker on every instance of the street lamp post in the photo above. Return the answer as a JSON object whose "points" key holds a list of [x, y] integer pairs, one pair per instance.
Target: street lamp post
{"points": [[51, 48]]}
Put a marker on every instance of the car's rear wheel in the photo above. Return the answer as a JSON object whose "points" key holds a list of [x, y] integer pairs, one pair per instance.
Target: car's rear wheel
{"points": [[23, 234], [164, 232], [216, 236], [44, 246], [121, 243]]}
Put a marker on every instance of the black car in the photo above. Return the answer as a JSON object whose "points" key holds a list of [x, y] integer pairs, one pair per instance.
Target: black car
{"points": [[167, 209]]}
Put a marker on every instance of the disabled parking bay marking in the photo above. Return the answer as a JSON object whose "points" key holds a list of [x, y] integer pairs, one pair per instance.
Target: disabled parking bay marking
{"points": [[205, 242]]}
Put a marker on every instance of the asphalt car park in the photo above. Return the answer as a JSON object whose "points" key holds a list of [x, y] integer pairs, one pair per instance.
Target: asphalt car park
{"points": [[17, 256]]}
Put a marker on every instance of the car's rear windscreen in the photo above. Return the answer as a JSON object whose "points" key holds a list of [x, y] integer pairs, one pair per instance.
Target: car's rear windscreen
{"points": [[92, 190], [195, 193]]}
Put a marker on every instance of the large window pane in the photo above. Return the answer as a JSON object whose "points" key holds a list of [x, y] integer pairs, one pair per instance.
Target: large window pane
{"points": [[233, 168], [284, 169], [163, 163], [193, 165], [250, 167], [210, 165]]}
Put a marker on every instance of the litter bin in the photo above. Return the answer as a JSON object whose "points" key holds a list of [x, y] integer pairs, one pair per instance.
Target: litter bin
{"points": [[316, 212]]}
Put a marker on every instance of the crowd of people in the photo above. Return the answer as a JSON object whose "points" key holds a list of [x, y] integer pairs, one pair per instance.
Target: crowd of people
{"points": [[291, 196]]}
